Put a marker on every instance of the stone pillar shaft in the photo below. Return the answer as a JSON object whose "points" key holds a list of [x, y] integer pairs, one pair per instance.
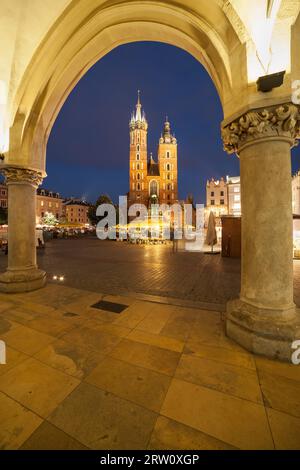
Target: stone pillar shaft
{"points": [[21, 226], [22, 273], [267, 249], [264, 319]]}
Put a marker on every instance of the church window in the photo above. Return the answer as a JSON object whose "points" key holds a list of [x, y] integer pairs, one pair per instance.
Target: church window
{"points": [[138, 176], [137, 156], [138, 148], [168, 176], [168, 166], [138, 187], [168, 187], [153, 188], [137, 166], [168, 154]]}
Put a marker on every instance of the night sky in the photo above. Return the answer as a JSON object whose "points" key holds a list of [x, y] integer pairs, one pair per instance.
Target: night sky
{"points": [[88, 149]]}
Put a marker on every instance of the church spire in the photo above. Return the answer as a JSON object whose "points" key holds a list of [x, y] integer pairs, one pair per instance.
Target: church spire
{"points": [[138, 118], [138, 114]]}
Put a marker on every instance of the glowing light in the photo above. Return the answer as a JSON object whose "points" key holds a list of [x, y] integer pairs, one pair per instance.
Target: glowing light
{"points": [[61, 278], [54, 278]]}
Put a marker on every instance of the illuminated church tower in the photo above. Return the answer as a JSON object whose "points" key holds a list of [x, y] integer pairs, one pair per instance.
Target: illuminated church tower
{"points": [[151, 181], [138, 192]]}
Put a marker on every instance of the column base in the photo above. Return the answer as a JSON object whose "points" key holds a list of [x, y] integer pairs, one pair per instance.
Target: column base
{"points": [[262, 331], [17, 281]]}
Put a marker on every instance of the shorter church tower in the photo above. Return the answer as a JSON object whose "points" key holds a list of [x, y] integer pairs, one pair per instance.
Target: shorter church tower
{"points": [[167, 159]]}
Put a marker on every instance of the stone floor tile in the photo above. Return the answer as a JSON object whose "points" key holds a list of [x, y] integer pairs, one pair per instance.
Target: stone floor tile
{"points": [[109, 328], [178, 327], [94, 339], [13, 357], [70, 358], [51, 326], [26, 339], [7, 325], [160, 341], [155, 320], [137, 384], [37, 386], [285, 430], [284, 369], [134, 314], [49, 437], [5, 306], [101, 420], [233, 380], [280, 393], [144, 355], [171, 435], [16, 424], [237, 422], [20, 314], [226, 356]]}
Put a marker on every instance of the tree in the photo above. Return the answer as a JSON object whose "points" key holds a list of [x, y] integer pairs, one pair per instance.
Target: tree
{"points": [[3, 215], [49, 219], [102, 199]]}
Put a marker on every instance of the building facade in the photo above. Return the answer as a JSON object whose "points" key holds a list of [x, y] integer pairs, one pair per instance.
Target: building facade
{"points": [[76, 211], [48, 202], [216, 199], [223, 197], [233, 184], [296, 193], [3, 196], [151, 181]]}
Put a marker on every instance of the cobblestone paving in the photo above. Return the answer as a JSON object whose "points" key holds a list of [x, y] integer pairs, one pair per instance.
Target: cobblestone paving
{"points": [[113, 267]]}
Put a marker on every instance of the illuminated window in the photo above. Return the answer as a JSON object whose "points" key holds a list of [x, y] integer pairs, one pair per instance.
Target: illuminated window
{"points": [[42, 203], [237, 198], [236, 189]]}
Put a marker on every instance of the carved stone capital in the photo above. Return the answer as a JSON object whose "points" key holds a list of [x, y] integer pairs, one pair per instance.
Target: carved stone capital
{"points": [[283, 121], [22, 175]]}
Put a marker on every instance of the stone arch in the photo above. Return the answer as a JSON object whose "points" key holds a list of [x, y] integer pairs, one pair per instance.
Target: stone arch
{"points": [[78, 39]]}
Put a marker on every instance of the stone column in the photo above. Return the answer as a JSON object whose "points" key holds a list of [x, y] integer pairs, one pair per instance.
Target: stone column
{"points": [[22, 274], [264, 319]]}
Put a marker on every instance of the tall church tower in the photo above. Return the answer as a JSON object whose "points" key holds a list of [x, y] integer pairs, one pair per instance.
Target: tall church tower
{"points": [[167, 159], [138, 127]]}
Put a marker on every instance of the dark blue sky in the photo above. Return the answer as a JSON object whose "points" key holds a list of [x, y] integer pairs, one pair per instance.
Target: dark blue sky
{"points": [[88, 148]]}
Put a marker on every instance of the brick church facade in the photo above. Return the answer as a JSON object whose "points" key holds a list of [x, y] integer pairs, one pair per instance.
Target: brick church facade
{"points": [[151, 181]]}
